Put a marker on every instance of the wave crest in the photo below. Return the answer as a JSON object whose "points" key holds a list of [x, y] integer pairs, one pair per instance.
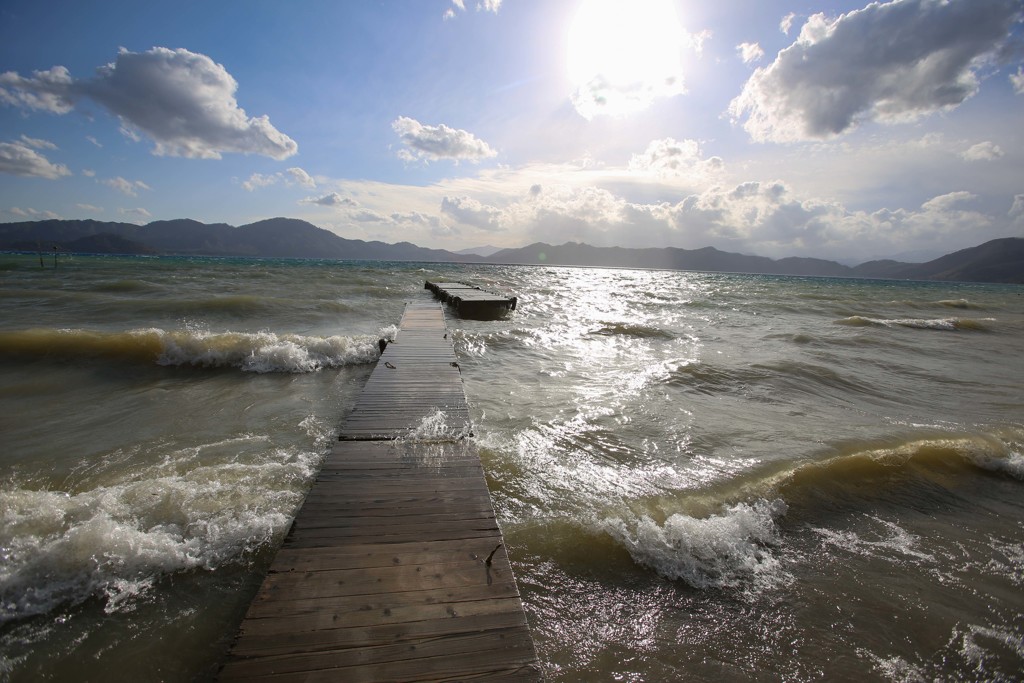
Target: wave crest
{"points": [[941, 324], [115, 541], [730, 550], [259, 352]]}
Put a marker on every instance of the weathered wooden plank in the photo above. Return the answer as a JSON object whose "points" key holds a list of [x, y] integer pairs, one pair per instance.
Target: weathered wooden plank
{"points": [[479, 653], [372, 555], [473, 644], [394, 568], [294, 616], [327, 583], [377, 634], [314, 539]]}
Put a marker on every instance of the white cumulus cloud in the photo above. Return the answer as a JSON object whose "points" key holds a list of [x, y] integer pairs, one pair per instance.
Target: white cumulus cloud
{"points": [[183, 101], [136, 214], [18, 158], [670, 157], [416, 219], [888, 62], [300, 177], [33, 213], [431, 143], [49, 90], [295, 176], [331, 199], [1017, 80], [258, 180], [471, 212], [786, 24], [750, 52], [482, 6], [37, 143], [128, 187], [983, 151]]}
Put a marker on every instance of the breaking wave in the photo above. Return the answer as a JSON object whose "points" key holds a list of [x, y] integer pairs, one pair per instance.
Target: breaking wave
{"points": [[987, 452], [942, 324], [115, 541], [259, 352], [739, 545], [730, 550]]}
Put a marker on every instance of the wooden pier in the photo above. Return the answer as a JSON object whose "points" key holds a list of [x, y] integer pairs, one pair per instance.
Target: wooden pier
{"points": [[470, 301], [395, 568]]}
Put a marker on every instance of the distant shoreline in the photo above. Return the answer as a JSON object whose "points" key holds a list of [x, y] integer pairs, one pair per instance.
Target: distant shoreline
{"points": [[999, 261], [48, 256]]}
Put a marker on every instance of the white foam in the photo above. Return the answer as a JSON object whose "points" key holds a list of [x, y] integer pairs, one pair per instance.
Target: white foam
{"points": [[895, 668], [730, 550], [264, 352], [438, 427], [1012, 463], [976, 653], [115, 541], [893, 539], [944, 324]]}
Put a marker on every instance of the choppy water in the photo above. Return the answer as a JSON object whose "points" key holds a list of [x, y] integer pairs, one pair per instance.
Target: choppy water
{"points": [[699, 476]]}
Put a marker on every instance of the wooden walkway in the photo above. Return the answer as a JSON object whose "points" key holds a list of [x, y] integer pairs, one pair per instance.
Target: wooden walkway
{"points": [[470, 301], [395, 568]]}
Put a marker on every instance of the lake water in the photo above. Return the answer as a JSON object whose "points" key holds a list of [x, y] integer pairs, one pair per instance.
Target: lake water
{"points": [[699, 476]]}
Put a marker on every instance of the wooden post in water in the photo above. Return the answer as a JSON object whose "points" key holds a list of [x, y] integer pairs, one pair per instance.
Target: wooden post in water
{"points": [[395, 568]]}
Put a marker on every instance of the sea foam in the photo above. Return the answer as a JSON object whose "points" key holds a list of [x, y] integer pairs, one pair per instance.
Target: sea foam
{"points": [[940, 324], [734, 549], [115, 541]]}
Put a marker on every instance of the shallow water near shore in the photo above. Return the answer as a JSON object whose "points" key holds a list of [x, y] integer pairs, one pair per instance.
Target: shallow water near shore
{"points": [[699, 476]]}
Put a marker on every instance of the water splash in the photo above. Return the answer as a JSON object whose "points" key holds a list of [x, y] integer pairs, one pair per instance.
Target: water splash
{"points": [[116, 540], [730, 550]]}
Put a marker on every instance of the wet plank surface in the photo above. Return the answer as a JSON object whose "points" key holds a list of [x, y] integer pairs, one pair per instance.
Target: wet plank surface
{"points": [[416, 379], [395, 568]]}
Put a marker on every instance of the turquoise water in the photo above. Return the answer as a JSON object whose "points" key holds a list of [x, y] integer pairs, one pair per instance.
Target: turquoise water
{"points": [[699, 476]]}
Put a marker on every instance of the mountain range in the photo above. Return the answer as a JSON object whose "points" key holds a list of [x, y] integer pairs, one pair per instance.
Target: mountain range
{"points": [[1000, 260]]}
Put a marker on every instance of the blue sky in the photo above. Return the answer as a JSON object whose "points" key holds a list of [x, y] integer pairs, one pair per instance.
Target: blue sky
{"points": [[840, 130]]}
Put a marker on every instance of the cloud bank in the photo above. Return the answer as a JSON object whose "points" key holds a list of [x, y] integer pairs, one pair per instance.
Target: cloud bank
{"points": [[890, 62], [183, 101]]}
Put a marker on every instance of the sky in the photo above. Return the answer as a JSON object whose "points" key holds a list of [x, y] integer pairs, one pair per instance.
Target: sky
{"points": [[840, 130]]}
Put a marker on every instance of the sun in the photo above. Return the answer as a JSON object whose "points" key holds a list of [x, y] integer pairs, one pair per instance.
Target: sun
{"points": [[624, 55]]}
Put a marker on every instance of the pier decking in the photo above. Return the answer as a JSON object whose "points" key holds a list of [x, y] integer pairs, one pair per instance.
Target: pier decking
{"points": [[395, 568], [470, 301]]}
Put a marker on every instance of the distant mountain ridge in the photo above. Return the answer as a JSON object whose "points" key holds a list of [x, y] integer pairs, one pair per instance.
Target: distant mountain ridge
{"points": [[1000, 260]]}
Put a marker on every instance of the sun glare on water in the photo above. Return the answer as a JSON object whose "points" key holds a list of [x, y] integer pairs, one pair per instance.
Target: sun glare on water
{"points": [[624, 55]]}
